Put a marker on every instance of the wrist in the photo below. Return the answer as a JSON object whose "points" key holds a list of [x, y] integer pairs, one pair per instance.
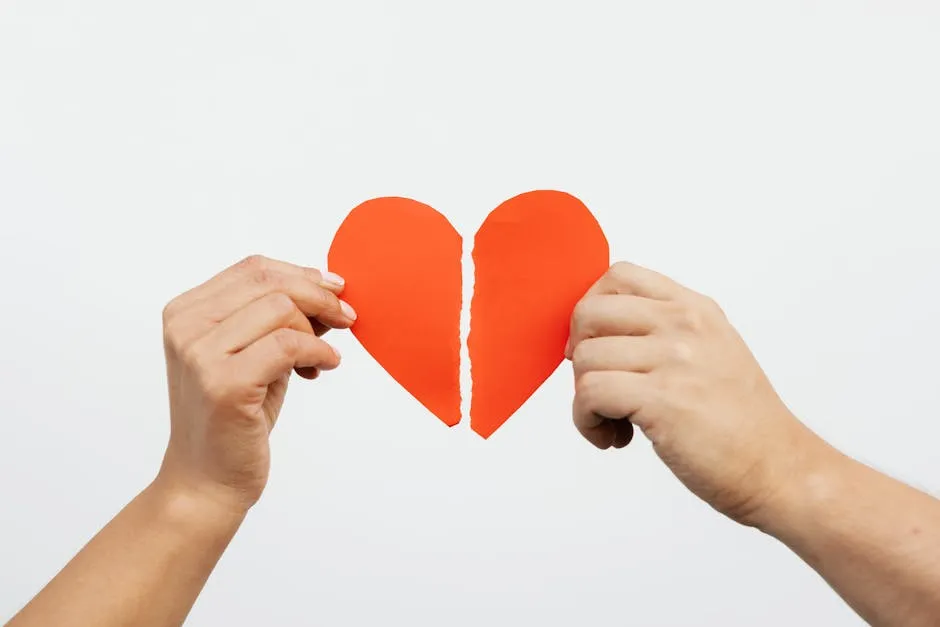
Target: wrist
{"points": [[805, 491], [200, 508]]}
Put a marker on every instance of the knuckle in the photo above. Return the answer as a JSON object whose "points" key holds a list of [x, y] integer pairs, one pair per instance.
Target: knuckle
{"points": [[692, 319], [169, 311], [581, 354], [262, 276], [621, 271], [581, 315], [259, 270], [712, 306], [586, 384], [280, 304], [218, 389], [252, 262], [173, 335], [286, 342], [313, 274], [170, 336], [681, 352], [688, 318], [577, 355]]}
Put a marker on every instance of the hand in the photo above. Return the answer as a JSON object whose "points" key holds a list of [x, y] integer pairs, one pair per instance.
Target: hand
{"points": [[231, 344], [651, 353]]}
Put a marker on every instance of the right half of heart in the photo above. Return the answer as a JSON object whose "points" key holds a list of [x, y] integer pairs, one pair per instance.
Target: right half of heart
{"points": [[534, 257]]}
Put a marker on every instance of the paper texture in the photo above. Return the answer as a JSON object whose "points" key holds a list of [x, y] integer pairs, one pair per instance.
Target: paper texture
{"points": [[535, 256], [401, 262]]}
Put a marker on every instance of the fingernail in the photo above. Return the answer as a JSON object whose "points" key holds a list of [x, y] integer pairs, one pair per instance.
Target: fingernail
{"points": [[336, 352], [335, 279], [347, 309]]}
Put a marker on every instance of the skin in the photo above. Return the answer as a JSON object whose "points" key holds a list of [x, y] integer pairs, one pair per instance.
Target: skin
{"points": [[645, 351], [651, 353], [231, 344]]}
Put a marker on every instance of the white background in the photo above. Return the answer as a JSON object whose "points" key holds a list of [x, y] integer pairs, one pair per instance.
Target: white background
{"points": [[783, 157]]}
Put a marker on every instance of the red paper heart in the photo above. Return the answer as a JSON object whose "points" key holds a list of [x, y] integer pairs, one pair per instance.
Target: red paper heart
{"points": [[535, 256], [401, 262]]}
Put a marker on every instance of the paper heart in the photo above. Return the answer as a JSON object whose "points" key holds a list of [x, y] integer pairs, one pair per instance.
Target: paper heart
{"points": [[535, 255], [401, 262]]}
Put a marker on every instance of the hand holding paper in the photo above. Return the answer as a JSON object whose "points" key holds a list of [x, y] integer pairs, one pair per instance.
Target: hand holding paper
{"points": [[231, 344]]}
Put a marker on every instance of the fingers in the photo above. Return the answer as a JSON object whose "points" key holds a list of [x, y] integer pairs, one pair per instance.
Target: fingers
{"points": [[603, 403], [597, 430], [630, 354], [255, 267], [610, 346], [633, 332], [253, 321], [606, 433], [612, 314], [277, 353], [313, 301], [624, 433], [609, 394], [249, 300], [634, 303], [627, 278], [311, 298]]}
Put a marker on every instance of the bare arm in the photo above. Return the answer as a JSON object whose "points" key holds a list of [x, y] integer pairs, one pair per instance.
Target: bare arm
{"points": [[875, 540], [651, 353], [146, 567], [231, 345]]}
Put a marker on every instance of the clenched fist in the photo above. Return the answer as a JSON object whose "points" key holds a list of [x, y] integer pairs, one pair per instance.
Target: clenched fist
{"points": [[231, 345], [651, 353]]}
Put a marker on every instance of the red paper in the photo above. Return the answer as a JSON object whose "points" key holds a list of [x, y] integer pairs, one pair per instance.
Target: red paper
{"points": [[401, 262], [534, 256]]}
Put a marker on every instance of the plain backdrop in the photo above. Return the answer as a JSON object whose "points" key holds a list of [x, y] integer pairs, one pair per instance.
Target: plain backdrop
{"points": [[783, 157]]}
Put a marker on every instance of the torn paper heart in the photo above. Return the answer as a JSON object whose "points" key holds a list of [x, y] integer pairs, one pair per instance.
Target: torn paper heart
{"points": [[535, 256], [401, 262]]}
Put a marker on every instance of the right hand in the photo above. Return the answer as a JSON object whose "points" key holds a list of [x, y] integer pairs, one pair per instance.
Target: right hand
{"points": [[649, 352], [231, 344]]}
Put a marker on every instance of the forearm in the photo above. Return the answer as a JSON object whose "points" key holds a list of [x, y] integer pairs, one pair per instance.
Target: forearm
{"points": [[145, 568], [875, 540]]}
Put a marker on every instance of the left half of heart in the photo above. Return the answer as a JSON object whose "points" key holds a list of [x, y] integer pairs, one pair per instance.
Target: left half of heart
{"points": [[401, 260]]}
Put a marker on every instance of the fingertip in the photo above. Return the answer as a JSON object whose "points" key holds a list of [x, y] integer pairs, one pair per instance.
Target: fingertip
{"points": [[335, 313], [624, 434], [334, 359], [332, 281], [348, 310], [602, 436]]}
